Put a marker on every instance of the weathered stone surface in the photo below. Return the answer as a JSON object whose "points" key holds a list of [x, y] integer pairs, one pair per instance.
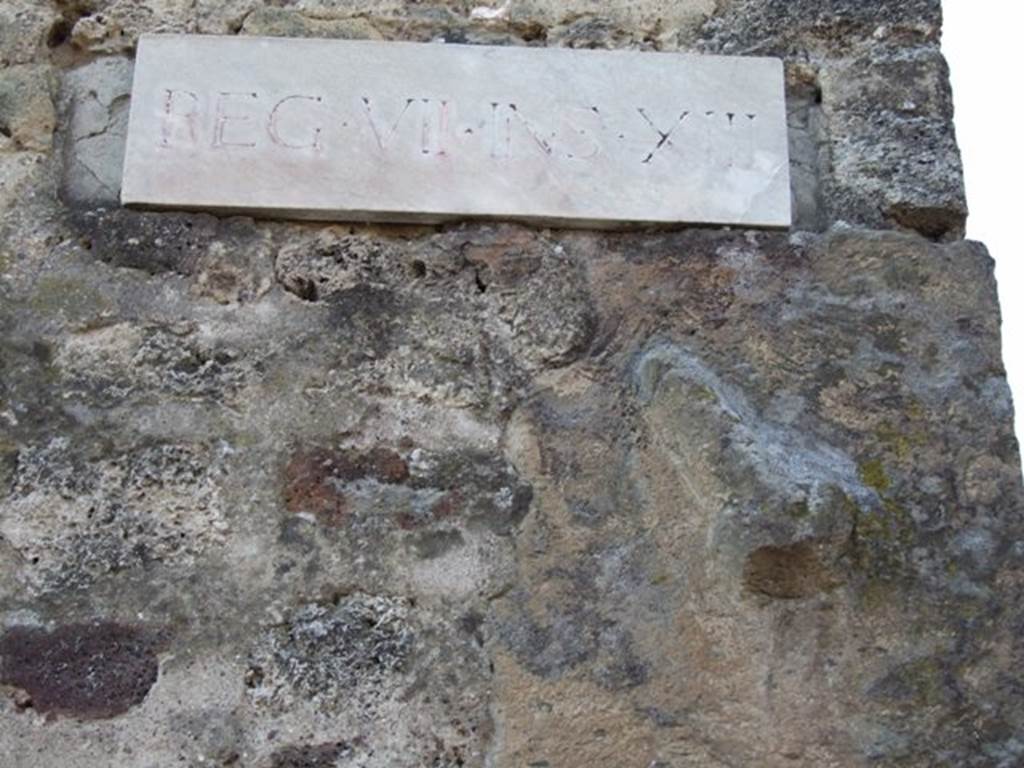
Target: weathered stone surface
{"points": [[814, 27], [275, 494], [27, 118], [112, 26], [25, 28], [431, 133], [94, 102], [751, 426], [875, 107], [81, 670], [74, 519], [846, 165]]}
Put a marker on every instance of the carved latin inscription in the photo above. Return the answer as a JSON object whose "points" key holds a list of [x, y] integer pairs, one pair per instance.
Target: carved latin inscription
{"points": [[413, 126], [360, 130]]}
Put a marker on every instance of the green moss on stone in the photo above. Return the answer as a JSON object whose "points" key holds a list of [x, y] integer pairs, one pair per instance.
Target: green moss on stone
{"points": [[881, 537], [925, 679], [901, 441], [703, 393], [876, 594], [799, 510], [872, 473]]}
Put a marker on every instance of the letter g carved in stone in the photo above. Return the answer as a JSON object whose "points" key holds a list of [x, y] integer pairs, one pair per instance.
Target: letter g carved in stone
{"points": [[274, 127]]}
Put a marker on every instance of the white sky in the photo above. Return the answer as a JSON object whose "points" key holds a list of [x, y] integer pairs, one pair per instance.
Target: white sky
{"points": [[983, 46]]}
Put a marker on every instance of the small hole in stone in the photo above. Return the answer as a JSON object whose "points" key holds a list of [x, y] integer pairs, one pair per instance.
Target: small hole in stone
{"points": [[786, 572], [59, 33], [5, 130], [418, 269], [535, 33]]}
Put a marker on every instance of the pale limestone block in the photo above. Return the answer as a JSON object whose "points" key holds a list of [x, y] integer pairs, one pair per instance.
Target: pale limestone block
{"points": [[358, 130]]}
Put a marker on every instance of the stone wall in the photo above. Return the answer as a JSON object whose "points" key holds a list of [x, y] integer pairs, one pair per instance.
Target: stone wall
{"points": [[278, 495]]}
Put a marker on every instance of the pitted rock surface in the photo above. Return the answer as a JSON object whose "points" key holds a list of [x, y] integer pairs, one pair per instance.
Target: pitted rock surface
{"points": [[81, 670], [279, 494]]}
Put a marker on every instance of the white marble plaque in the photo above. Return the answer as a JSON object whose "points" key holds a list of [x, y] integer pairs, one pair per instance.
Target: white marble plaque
{"points": [[368, 131]]}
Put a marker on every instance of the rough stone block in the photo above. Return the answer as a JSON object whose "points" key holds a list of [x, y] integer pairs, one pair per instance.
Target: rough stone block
{"points": [[27, 117], [114, 26], [25, 29], [802, 28], [94, 105], [875, 108]]}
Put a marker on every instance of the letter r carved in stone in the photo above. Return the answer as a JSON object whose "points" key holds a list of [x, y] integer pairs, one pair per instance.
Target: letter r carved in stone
{"points": [[179, 112]]}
